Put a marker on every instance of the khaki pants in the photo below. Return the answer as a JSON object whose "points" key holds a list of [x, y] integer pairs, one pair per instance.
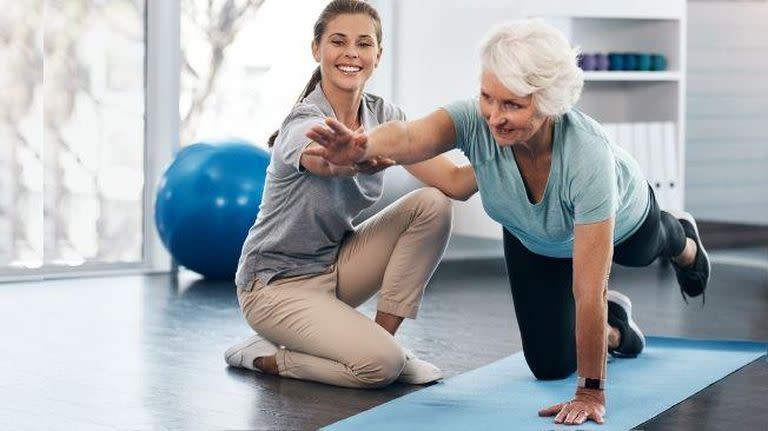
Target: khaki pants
{"points": [[325, 339]]}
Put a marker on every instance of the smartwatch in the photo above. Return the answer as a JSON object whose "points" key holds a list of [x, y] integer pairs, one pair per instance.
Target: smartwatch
{"points": [[587, 383]]}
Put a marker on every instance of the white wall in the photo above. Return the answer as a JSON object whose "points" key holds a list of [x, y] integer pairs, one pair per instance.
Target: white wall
{"points": [[437, 49], [397, 181], [162, 113], [430, 59], [727, 146]]}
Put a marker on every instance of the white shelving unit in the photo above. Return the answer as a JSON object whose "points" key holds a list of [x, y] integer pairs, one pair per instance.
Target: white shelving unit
{"points": [[433, 64], [632, 76], [653, 26]]}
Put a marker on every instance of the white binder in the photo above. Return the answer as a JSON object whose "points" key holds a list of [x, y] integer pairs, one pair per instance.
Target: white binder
{"points": [[671, 166], [658, 179], [642, 154]]}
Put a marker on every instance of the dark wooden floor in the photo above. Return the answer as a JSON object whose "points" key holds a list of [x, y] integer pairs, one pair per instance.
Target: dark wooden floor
{"points": [[145, 353], [724, 234]]}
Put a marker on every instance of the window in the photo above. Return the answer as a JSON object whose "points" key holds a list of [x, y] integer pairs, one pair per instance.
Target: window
{"points": [[71, 133], [243, 65], [85, 132]]}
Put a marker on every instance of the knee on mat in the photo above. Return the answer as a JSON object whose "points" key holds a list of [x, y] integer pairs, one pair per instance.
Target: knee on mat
{"points": [[551, 369], [380, 370]]}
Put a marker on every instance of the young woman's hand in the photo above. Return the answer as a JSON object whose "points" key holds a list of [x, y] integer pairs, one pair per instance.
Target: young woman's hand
{"points": [[587, 404], [374, 165], [339, 145], [366, 167], [340, 171]]}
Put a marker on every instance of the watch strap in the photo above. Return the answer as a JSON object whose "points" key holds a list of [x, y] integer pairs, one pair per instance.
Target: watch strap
{"points": [[587, 383]]}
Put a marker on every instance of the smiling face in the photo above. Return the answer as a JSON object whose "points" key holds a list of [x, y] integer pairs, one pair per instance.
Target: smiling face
{"points": [[512, 119], [348, 51]]}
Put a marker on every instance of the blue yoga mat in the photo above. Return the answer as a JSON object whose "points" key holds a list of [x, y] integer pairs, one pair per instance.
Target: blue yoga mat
{"points": [[504, 395]]}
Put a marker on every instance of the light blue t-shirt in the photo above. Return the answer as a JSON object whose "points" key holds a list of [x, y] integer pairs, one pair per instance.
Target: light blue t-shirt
{"points": [[591, 179]]}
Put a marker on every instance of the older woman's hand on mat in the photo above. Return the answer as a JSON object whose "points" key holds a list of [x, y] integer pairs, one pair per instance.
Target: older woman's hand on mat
{"points": [[587, 404], [340, 145]]}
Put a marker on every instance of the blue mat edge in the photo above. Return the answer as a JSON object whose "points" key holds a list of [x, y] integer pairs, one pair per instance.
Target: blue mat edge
{"points": [[740, 344], [714, 344]]}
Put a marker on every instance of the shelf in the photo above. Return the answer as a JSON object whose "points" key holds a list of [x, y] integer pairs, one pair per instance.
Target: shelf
{"points": [[647, 9], [631, 76]]}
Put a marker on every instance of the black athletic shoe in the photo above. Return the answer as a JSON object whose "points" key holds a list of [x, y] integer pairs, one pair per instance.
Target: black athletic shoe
{"points": [[620, 317], [693, 279]]}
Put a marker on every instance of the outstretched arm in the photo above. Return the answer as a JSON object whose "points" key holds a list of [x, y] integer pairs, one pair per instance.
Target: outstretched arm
{"points": [[406, 142], [456, 182], [320, 166]]}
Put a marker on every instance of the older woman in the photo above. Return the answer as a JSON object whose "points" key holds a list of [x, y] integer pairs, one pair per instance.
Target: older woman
{"points": [[570, 202]]}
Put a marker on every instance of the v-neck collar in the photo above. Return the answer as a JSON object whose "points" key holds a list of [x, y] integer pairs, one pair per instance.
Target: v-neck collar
{"points": [[554, 162]]}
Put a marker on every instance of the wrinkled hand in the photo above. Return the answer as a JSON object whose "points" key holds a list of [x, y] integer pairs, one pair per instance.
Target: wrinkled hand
{"points": [[587, 404], [339, 145]]}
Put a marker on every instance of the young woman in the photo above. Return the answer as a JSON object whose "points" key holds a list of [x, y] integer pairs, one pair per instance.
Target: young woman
{"points": [[304, 266], [570, 202]]}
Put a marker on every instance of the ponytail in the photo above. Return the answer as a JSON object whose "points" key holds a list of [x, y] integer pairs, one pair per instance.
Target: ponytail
{"points": [[313, 81]]}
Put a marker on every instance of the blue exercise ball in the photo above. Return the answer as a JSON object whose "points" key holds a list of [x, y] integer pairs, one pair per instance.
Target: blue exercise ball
{"points": [[206, 201]]}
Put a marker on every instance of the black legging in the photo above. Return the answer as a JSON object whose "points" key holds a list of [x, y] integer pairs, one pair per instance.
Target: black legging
{"points": [[543, 294]]}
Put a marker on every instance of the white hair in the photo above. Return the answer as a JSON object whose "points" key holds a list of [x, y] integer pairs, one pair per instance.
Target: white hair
{"points": [[533, 58]]}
